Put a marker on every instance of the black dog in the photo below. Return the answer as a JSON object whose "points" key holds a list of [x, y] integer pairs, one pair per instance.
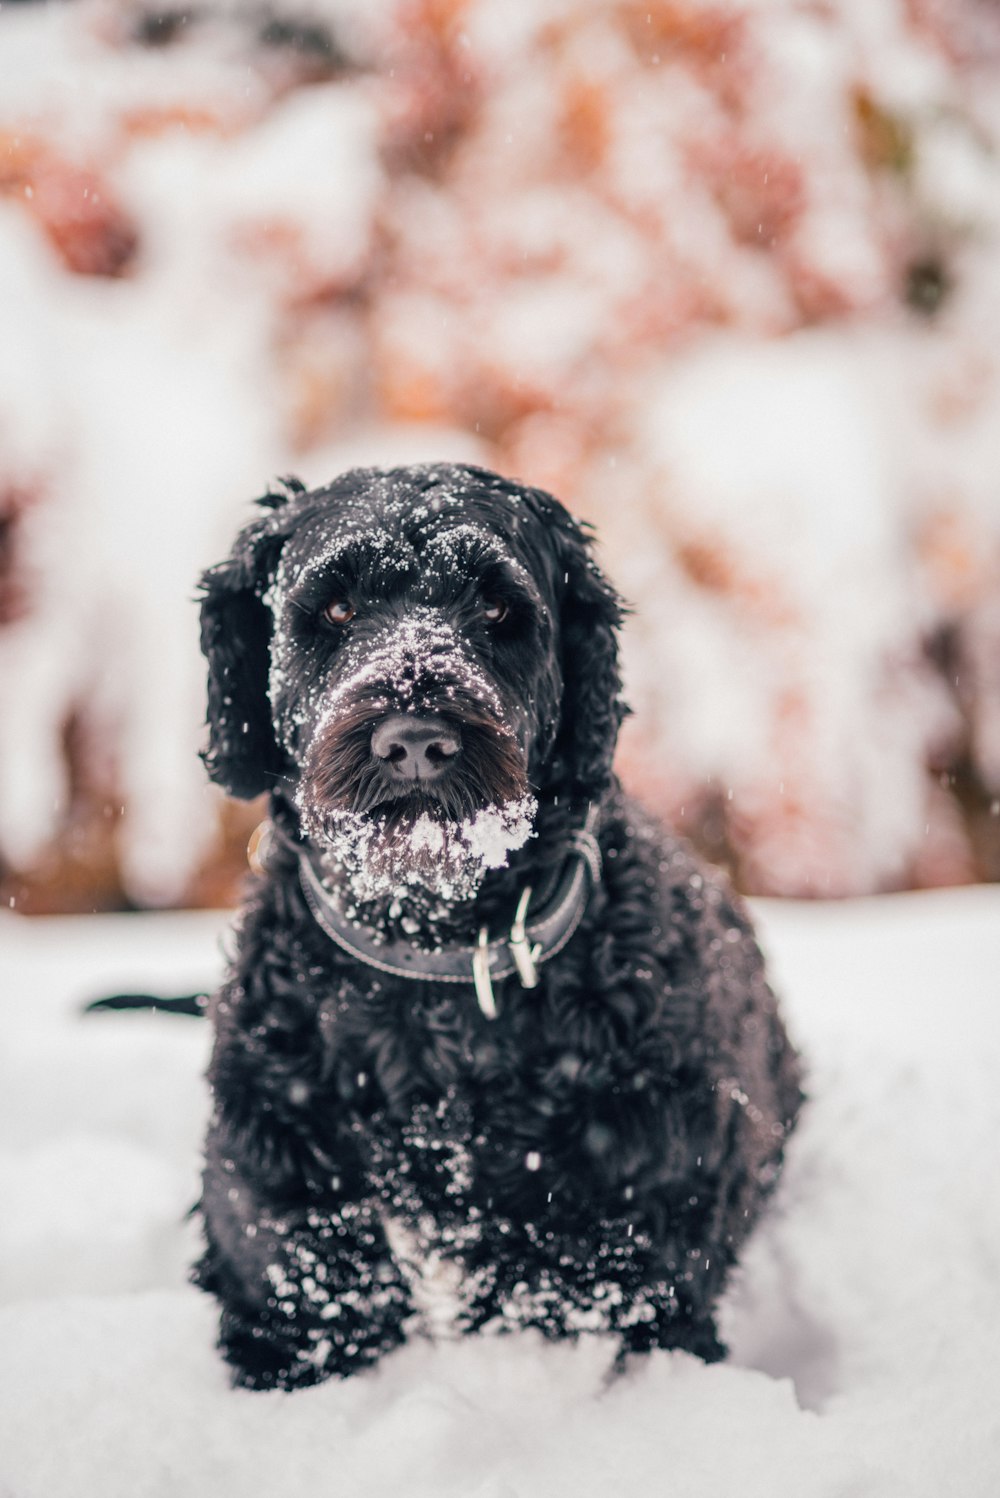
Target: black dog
{"points": [[495, 1052]]}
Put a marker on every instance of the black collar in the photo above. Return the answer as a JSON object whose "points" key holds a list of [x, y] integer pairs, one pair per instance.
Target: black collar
{"points": [[528, 943]]}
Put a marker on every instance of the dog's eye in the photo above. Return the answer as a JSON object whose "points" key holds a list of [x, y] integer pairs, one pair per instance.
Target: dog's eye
{"points": [[494, 610], [338, 611]]}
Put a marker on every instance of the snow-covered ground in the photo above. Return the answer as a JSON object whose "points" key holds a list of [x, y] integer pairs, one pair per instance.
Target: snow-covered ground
{"points": [[863, 1326]]}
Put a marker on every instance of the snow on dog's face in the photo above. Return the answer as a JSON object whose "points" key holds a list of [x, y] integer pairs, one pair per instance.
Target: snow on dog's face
{"points": [[408, 634], [398, 687]]}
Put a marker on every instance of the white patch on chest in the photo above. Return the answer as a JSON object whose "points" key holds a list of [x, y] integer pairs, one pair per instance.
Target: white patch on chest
{"points": [[435, 1281]]}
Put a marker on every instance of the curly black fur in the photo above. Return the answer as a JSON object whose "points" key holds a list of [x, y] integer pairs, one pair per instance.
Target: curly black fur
{"points": [[595, 1156]]}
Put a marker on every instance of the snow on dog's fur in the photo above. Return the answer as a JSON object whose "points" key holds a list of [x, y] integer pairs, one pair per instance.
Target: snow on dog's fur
{"points": [[591, 1157]]}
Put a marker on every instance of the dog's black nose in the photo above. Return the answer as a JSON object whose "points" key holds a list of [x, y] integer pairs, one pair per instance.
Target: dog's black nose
{"points": [[415, 748]]}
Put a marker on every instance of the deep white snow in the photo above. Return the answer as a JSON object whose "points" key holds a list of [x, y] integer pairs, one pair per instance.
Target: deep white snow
{"points": [[863, 1326]]}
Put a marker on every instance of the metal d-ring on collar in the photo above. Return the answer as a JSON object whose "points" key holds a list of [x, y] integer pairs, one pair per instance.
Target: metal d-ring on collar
{"points": [[522, 950], [526, 955]]}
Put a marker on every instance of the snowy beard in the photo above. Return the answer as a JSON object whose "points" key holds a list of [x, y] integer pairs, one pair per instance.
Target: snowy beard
{"points": [[384, 855]]}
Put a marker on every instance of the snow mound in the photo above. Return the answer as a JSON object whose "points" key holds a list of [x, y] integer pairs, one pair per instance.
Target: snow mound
{"points": [[862, 1324]]}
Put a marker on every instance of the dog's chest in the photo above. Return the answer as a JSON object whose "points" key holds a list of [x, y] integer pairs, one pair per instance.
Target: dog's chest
{"points": [[422, 1176], [469, 1264]]}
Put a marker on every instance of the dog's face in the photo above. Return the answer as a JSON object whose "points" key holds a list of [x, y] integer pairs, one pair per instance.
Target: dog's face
{"points": [[413, 655]]}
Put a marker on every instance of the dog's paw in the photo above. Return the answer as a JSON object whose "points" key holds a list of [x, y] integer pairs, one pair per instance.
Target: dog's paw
{"points": [[680, 1333], [258, 1357]]}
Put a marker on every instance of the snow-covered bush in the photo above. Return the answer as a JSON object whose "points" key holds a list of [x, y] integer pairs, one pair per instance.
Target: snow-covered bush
{"points": [[724, 275]]}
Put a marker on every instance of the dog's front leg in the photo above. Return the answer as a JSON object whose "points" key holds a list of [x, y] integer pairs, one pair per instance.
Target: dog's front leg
{"points": [[307, 1292]]}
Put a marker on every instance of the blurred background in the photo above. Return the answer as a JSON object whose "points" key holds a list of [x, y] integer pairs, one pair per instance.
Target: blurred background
{"points": [[722, 274]]}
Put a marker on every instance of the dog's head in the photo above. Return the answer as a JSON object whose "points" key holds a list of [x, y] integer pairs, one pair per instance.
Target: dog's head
{"points": [[412, 655]]}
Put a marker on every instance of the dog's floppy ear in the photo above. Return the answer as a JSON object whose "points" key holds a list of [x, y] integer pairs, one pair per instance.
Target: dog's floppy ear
{"points": [[243, 755], [590, 615]]}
